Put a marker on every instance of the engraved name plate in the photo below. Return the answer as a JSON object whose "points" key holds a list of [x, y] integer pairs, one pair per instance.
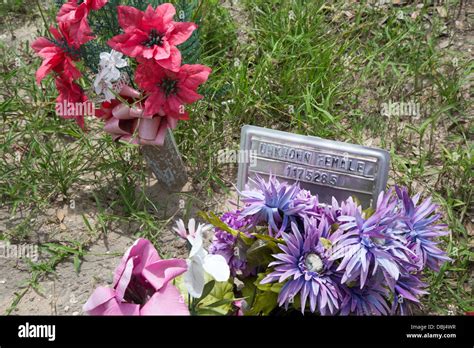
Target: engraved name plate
{"points": [[325, 167]]}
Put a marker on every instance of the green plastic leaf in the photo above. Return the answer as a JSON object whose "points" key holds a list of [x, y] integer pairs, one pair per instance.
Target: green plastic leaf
{"points": [[209, 311], [222, 291], [274, 287], [221, 302], [264, 303], [259, 254], [326, 243], [270, 241], [249, 291], [206, 291], [263, 287], [179, 283], [369, 212]]}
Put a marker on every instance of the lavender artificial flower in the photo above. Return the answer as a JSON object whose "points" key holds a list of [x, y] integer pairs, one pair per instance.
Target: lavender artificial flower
{"points": [[306, 268], [309, 202], [370, 300], [345, 261], [407, 291], [272, 202], [370, 245], [227, 245], [420, 228], [347, 207]]}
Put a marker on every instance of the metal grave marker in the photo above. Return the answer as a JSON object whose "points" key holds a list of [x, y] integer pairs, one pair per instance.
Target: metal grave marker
{"points": [[325, 167]]}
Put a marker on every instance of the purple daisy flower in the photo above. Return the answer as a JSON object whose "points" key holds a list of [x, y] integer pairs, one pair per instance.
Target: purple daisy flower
{"points": [[421, 230], [407, 291], [347, 207], [310, 202], [228, 246], [272, 202], [307, 269], [370, 300], [369, 245]]}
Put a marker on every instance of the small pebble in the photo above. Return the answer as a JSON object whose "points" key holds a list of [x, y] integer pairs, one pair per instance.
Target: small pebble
{"points": [[3, 281], [66, 309], [75, 313], [110, 279]]}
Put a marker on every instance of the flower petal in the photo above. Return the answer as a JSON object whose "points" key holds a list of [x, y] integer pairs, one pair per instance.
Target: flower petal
{"points": [[181, 32], [167, 301], [129, 17], [163, 271], [146, 252], [217, 267], [98, 298], [194, 278]]}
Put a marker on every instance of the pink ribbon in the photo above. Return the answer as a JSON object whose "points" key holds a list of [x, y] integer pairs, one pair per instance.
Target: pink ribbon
{"points": [[127, 122]]}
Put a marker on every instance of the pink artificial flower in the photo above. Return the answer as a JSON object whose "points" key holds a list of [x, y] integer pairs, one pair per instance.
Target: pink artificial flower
{"points": [[239, 305], [75, 15], [170, 90], [58, 54], [141, 286], [72, 102], [152, 34], [128, 122]]}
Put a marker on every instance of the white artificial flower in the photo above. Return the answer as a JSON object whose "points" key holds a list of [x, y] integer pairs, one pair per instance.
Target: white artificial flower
{"points": [[108, 73], [180, 228], [111, 62], [200, 261], [103, 86]]}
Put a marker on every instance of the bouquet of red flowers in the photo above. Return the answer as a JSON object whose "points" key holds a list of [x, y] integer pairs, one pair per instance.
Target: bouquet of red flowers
{"points": [[131, 64]]}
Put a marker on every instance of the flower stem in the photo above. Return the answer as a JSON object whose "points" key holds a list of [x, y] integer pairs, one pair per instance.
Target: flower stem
{"points": [[44, 19]]}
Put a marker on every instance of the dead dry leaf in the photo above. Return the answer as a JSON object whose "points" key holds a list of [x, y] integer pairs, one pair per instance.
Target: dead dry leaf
{"points": [[459, 25], [470, 228], [443, 44], [60, 214], [349, 14], [442, 11]]}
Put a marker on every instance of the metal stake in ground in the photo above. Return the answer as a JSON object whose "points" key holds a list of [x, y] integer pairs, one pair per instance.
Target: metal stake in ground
{"points": [[166, 163]]}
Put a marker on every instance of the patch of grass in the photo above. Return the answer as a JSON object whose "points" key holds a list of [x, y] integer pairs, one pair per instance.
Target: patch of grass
{"points": [[13, 6], [58, 252]]}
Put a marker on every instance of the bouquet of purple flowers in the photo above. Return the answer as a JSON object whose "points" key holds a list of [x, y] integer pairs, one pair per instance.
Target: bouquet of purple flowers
{"points": [[285, 251]]}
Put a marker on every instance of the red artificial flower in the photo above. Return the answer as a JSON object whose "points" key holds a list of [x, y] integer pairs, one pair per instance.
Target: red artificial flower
{"points": [[152, 35], [72, 102], [168, 91], [75, 15], [58, 54]]}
